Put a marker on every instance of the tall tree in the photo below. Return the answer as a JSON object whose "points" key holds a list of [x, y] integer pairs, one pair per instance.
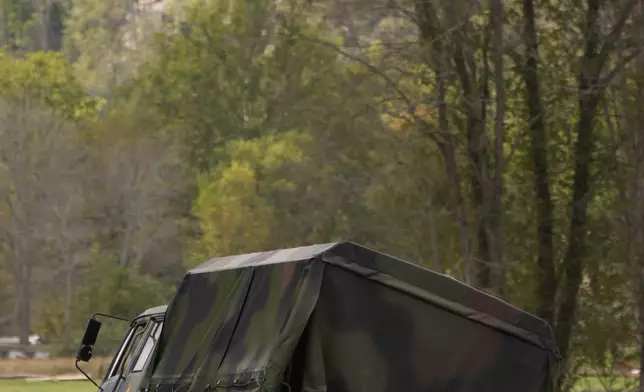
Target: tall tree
{"points": [[602, 58], [34, 152], [106, 40]]}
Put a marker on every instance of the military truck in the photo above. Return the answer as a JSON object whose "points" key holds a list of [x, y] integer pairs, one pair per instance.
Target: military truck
{"points": [[341, 317], [133, 354]]}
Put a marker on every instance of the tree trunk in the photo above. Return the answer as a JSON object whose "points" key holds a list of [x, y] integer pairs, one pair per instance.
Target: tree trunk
{"points": [[124, 255], [69, 280], [433, 234], [589, 97], [496, 229], [634, 219], [44, 14], [473, 75], [640, 321], [546, 278], [446, 147], [436, 57], [577, 240], [474, 105], [23, 302]]}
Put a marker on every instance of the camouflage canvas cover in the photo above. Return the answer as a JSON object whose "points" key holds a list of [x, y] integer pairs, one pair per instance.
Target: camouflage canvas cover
{"points": [[344, 318]]}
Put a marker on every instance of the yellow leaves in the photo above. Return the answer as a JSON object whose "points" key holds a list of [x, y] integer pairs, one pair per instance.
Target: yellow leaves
{"points": [[47, 76], [233, 217], [397, 123], [404, 121], [280, 151], [235, 205], [271, 151], [425, 111], [239, 177]]}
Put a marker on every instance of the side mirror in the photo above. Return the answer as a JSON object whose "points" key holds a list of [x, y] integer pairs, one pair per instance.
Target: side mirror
{"points": [[84, 353]]}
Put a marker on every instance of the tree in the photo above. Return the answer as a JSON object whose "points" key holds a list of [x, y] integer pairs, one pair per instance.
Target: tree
{"points": [[41, 106], [623, 115], [263, 79], [106, 40], [135, 182], [35, 155], [595, 74], [451, 107], [66, 230]]}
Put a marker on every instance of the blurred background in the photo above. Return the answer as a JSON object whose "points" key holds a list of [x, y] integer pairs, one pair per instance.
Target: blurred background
{"points": [[497, 141]]}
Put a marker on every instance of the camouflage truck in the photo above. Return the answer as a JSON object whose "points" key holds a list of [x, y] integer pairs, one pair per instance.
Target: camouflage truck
{"points": [[341, 317], [133, 354]]}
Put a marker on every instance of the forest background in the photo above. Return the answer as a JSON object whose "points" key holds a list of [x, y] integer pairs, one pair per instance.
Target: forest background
{"points": [[497, 141]]}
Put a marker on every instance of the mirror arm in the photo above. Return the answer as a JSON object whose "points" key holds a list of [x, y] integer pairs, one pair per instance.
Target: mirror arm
{"points": [[93, 326], [85, 350], [87, 376]]}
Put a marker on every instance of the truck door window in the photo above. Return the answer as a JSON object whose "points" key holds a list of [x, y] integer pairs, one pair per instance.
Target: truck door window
{"points": [[150, 343], [131, 349]]}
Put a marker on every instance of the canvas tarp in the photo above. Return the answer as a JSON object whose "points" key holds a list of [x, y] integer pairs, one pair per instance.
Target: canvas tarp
{"points": [[343, 318]]}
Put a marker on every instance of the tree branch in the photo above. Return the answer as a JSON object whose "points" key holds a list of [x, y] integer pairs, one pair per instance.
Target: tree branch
{"points": [[612, 38], [619, 66]]}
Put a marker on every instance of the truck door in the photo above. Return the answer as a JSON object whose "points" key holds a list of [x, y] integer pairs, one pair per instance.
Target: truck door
{"points": [[140, 361], [125, 372]]}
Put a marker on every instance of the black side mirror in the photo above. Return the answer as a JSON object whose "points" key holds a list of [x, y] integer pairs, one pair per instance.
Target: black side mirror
{"points": [[84, 353]]}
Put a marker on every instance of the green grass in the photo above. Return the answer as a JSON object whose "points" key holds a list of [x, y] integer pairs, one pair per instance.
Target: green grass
{"points": [[46, 386], [589, 384]]}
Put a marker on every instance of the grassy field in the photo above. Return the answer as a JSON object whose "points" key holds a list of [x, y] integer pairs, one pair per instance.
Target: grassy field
{"points": [[45, 386], [65, 366], [52, 367], [86, 386]]}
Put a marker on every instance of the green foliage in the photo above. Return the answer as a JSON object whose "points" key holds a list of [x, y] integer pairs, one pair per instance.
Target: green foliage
{"points": [[45, 76], [17, 18], [245, 191], [105, 41], [235, 73], [120, 291], [287, 136]]}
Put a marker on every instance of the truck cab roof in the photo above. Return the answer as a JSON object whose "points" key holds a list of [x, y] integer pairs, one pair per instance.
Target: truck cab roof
{"points": [[157, 310]]}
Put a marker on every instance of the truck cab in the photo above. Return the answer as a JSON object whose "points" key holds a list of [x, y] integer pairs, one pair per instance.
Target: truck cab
{"points": [[132, 357]]}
